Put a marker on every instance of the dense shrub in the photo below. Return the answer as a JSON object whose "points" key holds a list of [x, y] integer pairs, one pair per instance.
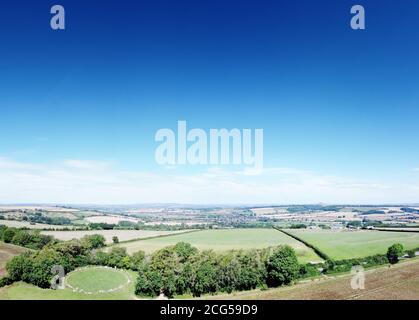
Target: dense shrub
{"points": [[5, 281], [308, 271], [394, 252], [94, 241], [8, 234], [411, 253], [31, 239], [338, 266], [282, 266]]}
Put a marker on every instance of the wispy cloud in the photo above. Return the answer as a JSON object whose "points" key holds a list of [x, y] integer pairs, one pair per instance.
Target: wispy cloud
{"points": [[89, 181], [86, 164]]}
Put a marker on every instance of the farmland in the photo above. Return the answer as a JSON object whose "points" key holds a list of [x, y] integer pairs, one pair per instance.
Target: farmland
{"points": [[223, 240], [25, 224], [112, 274], [123, 235], [8, 251], [345, 244], [400, 282]]}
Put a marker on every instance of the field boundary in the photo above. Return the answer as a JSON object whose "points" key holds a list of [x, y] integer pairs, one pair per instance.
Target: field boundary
{"points": [[320, 253], [153, 237], [394, 230]]}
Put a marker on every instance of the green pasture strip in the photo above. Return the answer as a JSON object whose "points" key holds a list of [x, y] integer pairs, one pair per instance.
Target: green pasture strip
{"points": [[320, 253]]}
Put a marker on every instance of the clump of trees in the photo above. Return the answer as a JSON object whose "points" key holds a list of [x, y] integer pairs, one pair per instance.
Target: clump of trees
{"points": [[31, 239], [394, 252], [298, 226], [118, 257], [35, 266], [38, 217], [182, 269], [282, 267]]}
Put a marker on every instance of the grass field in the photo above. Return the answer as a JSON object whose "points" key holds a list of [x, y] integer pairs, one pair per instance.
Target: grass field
{"points": [[8, 251], [223, 240], [91, 279], [355, 244], [400, 282], [123, 235], [97, 279]]}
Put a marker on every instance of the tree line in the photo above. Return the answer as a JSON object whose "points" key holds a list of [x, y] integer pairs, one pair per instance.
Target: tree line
{"points": [[182, 269], [31, 239]]}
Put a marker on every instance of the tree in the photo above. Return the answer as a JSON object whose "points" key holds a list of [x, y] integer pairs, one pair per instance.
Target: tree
{"points": [[94, 241], [252, 269], [19, 267], [184, 250], [411, 253], [205, 272], [137, 259], [115, 239], [164, 270], [8, 234], [394, 252], [118, 258], [282, 266]]}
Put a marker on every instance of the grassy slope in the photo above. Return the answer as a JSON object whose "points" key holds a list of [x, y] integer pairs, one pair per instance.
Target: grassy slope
{"points": [[222, 240], [355, 244], [8, 251]]}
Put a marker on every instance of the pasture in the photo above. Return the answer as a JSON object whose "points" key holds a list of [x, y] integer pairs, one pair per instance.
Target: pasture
{"points": [[344, 244], [223, 240], [8, 251], [123, 235]]}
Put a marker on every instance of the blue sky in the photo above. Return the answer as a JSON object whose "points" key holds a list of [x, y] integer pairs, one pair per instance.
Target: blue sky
{"points": [[80, 107]]}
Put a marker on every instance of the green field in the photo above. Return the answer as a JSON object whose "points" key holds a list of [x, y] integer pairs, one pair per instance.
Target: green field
{"points": [[123, 235], [91, 279], [97, 279], [356, 244], [223, 240]]}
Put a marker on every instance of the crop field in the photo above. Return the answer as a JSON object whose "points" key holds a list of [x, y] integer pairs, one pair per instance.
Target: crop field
{"points": [[83, 284], [400, 282], [123, 235], [223, 240], [110, 219], [8, 251], [25, 224], [355, 244]]}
